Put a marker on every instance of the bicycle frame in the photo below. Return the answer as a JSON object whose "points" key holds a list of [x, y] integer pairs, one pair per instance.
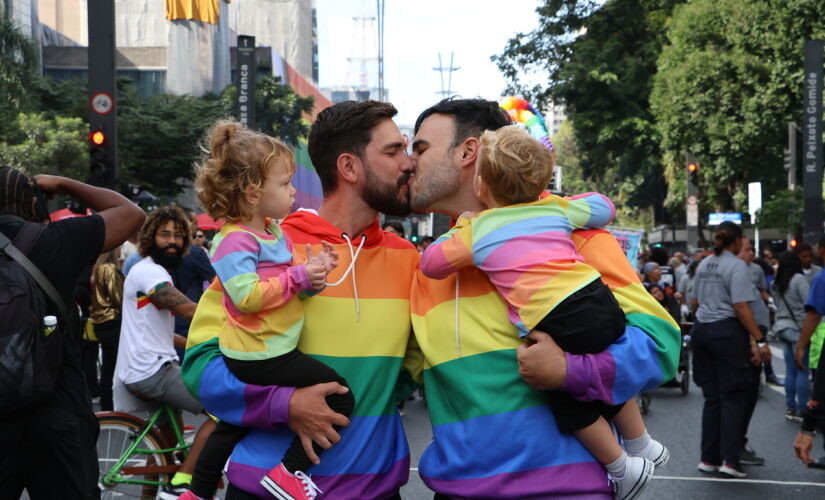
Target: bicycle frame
{"points": [[113, 476]]}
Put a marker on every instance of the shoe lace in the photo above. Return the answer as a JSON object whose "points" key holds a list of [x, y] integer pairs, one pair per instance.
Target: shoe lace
{"points": [[310, 489]]}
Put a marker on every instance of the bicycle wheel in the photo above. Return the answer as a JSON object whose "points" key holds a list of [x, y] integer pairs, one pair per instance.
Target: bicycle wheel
{"points": [[116, 434]]}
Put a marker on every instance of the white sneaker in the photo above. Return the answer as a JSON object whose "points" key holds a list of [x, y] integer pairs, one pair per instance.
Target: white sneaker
{"points": [[656, 452], [707, 467], [735, 471], [638, 472]]}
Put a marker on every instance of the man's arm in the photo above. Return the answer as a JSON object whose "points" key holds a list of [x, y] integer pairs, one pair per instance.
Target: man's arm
{"points": [[812, 319], [166, 296], [590, 211], [121, 217]]}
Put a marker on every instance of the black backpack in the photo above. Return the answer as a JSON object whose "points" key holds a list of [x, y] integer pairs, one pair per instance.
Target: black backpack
{"points": [[29, 356]]}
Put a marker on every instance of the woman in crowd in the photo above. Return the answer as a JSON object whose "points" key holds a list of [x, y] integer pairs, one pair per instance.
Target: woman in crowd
{"points": [[790, 289], [107, 299], [668, 302], [723, 352]]}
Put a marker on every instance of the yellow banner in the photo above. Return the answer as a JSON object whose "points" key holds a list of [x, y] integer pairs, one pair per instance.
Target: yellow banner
{"points": [[200, 10]]}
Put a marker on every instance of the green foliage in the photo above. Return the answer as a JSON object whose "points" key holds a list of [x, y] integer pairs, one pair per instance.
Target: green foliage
{"points": [[603, 75], [783, 211], [278, 110], [43, 145], [158, 137], [17, 72], [728, 82]]}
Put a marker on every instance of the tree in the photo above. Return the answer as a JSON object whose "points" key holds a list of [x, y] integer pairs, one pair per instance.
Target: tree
{"points": [[728, 82], [42, 145], [279, 110], [17, 71], [600, 62]]}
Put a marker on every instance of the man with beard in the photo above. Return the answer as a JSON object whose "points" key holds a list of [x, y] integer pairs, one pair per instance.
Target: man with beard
{"points": [[147, 363], [494, 436], [358, 325]]}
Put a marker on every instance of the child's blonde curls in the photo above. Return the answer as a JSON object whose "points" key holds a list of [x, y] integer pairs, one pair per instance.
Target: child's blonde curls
{"points": [[237, 160]]}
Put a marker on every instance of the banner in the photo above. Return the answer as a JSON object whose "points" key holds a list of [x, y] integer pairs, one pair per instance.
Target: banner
{"points": [[630, 239]]}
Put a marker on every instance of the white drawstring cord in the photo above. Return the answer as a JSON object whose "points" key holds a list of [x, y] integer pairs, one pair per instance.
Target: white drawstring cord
{"points": [[351, 269], [457, 338]]}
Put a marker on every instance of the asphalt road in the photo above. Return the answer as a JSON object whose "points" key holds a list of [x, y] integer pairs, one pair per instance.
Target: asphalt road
{"points": [[674, 419]]}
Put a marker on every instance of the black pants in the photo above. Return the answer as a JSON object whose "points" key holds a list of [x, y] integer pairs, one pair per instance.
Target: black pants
{"points": [[51, 453], [722, 368], [587, 322], [109, 335], [294, 369], [89, 353]]}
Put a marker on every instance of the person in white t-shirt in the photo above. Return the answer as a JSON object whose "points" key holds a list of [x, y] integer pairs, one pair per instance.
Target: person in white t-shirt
{"points": [[147, 363]]}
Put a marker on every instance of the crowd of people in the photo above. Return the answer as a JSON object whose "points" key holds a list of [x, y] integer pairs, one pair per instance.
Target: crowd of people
{"points": [[300, 332]]}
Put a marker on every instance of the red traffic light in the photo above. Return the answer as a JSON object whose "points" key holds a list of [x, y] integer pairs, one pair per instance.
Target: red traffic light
{"points": [[97, 138], [692, 168]]}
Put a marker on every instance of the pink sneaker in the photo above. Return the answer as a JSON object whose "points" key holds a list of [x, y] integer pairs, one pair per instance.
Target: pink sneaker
{"points": [[286, 486]]}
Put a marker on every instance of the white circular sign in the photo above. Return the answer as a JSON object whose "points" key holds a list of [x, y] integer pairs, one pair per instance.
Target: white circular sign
{"points": [[102, 103]]}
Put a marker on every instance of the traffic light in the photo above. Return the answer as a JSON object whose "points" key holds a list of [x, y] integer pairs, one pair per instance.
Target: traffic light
{"points": [[101, 167], [693, 172], [794, 243]]}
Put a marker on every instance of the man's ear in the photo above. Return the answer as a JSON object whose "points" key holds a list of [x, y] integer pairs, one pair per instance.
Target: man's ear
{"points": [[469, 152], [347, 165]]}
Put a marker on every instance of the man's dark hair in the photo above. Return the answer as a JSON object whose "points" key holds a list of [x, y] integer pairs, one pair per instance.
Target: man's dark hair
{"points": [[16, 194], [803, 246], [343, 128], [157, 220], [399, 228], [472, 117]]}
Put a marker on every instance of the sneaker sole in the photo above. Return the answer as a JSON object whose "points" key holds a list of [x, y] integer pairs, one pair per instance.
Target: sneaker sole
{"points": [[275, 490], [641, 483], [708, 468], [732, 473], [662, 458]]}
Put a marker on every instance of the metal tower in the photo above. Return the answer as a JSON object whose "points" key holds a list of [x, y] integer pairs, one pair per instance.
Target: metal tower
{"points": [[446, 91]]}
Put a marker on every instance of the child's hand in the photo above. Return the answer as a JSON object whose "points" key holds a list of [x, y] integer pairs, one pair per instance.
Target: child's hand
{"points": [[320, 264]]}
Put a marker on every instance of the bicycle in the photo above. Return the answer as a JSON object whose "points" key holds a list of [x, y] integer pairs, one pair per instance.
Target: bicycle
{"points": [[129, 447]]}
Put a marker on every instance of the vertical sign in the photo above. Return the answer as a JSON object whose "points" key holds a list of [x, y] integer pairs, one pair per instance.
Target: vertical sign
{"points": [[812, 141], [246, 68], [755, 205], [102, 94], [692, 207]]}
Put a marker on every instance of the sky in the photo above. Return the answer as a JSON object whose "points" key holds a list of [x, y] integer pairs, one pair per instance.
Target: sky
{"points": [[414, 34]]}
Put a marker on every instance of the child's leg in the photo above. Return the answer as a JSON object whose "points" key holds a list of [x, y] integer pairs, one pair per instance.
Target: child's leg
{"points": [[598, 438], [629, 421], [211, 460]]}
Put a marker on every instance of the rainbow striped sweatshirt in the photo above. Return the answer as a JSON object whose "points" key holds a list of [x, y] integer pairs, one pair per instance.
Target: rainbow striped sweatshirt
{"points": [[361, 329], [525, 250], [494, 436], [261, 289]]}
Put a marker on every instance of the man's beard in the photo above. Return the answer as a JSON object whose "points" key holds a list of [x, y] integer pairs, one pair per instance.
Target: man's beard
{"points": [[161, 258], [442, 181], [386, 198]]}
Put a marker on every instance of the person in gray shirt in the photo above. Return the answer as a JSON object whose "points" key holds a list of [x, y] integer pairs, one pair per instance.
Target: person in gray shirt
{"points": [[722, 352], [791, 290], [806, 255]]}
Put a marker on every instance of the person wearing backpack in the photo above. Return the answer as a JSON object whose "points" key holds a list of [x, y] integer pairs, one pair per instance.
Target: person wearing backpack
{"points": [[48, 431]]}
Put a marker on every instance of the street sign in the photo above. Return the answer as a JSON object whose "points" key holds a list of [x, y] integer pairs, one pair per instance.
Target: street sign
{"points": [[716, 218], [754, 198], [102, 103], [693, 215], [247, 68], [812, 140]]}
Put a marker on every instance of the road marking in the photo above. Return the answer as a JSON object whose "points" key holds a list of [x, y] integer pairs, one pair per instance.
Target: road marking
{"points": [[724, 480], [747, 481]]}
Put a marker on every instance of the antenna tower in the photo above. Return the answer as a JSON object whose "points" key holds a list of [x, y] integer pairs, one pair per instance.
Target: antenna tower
{"points": [[446, 91]]}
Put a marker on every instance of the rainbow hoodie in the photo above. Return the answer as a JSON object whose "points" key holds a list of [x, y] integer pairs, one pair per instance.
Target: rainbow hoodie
{"points": [[360, 328], [525, 250], [494, 436]]}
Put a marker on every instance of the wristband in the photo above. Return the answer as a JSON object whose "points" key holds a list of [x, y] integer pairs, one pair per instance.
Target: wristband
{"points": [[761, 342]]}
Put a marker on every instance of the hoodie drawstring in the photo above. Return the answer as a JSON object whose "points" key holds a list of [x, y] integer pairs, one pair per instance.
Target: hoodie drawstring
{"points": [[351, 269], [457, 338]]}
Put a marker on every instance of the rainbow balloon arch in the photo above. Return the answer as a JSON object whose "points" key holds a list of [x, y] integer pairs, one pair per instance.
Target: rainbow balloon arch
{"points": [[523, 113]]}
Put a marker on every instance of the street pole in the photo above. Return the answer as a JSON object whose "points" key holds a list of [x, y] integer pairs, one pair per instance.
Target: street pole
{"points": [[812, 141], [791, 165], [102, 94], [692, 203]]}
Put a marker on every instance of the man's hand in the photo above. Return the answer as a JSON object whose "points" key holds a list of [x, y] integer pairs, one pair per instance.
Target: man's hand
{"points": [[802, 447], [51, 184], [541, 362], [319, 265], [311, 419], [799, 356]]}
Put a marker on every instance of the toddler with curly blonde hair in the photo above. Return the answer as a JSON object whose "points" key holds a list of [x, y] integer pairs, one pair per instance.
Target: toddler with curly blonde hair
{"points": [[246, 178]]}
